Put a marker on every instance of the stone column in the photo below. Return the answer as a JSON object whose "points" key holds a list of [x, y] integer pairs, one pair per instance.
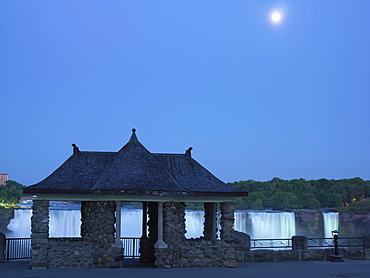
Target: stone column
{"points": [[160, 243], [2, 247], [39, 234], [210, 221], [227, 221], [147, 245], [227, 234], [98, 218], [117, 240], [299, 243], [145, 220]]}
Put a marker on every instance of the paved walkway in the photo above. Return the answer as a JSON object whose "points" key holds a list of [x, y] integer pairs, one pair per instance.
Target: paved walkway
{"points": [[357, 269]]}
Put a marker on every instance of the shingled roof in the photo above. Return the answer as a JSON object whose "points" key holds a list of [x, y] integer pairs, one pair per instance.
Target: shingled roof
{"points": [[133, 170]]}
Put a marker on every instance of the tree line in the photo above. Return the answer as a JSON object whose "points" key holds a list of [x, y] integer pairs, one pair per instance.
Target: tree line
{"points": [[10, 192], [282, 194]]}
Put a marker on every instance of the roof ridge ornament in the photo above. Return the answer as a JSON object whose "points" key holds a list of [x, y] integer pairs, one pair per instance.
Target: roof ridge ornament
{"points": [[133, 136], [188, 151], [75, 148]]}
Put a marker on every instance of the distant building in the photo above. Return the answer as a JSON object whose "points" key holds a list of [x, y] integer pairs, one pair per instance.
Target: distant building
{"points": [[3, 178]]}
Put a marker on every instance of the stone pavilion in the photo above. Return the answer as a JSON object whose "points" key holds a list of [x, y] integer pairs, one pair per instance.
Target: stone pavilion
{"points": [[101, 181]]}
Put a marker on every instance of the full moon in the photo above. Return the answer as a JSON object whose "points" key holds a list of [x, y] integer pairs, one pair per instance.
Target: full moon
{"points": [[276, 17]]}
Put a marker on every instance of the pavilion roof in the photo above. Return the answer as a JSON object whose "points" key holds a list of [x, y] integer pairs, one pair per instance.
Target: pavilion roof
{"points": [[133, 170]]}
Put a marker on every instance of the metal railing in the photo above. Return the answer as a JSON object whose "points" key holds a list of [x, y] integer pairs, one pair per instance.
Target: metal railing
{"points": [[20, 248], [271, 243], [311, 243], [17, 248], [329, 242], [131, 247]]}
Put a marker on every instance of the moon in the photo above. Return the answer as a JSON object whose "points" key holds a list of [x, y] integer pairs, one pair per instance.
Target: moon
{"points": [[276, 17]]}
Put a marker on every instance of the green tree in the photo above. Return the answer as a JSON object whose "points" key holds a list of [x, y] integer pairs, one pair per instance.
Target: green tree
{"points": [[11, 192]]}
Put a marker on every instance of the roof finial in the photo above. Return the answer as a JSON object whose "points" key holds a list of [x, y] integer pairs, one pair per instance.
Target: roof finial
{"points": [[188, 151], [75, 148], [133, 136]]}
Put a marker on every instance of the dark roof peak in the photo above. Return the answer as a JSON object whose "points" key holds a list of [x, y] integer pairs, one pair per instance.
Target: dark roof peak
{"points": [[133, 136]]}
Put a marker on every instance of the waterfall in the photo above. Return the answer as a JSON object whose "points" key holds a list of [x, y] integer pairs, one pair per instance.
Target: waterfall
{"points": [[66, 223], [20, 225], [258, 224], [265, 225], [331, 223], [131, 222], [194, 221]]}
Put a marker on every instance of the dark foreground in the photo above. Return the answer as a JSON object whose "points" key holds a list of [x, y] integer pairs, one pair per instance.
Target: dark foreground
{"points": [[357, 269]]}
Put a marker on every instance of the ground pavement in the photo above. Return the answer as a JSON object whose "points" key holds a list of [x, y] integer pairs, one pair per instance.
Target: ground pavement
{"points": [[356, 269]]}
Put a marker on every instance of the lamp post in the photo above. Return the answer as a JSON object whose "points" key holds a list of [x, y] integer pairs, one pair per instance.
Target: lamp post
{"points": [[336, 257]]}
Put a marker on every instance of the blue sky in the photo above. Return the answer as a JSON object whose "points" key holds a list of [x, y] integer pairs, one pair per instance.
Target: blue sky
{"points": [[255, 99]]}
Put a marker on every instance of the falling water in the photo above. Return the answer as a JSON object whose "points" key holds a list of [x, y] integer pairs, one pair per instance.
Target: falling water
{"points": [[194, 223], [265, 225], [67, 223], [331, 222], [258, 224], [20, 225]]}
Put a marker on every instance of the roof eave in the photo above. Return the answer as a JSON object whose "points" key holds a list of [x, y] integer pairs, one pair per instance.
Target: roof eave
{"points": [[218, 194], [55, 191]]}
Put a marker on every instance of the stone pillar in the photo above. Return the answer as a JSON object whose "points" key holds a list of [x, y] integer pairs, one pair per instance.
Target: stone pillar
{"points": [[299, 243], [160, 243], [39, 234], [2, 247], [227, 221], [366, 239], [174, 236], [144, 243], [227, 234], [210, 221], [147, 245], [117, 240], [174, 224], [145, 220], [98, 220]]}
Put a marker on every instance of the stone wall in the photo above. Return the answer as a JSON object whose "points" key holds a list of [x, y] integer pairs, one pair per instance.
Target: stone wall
{"points": [[5, 216], [2, 247], [301, 255], [182, 252], [69, 253], [94, 249], [300, 252]]}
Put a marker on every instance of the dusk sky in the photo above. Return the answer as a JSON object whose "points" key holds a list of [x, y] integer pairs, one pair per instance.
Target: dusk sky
{"points": [[256, 99]]}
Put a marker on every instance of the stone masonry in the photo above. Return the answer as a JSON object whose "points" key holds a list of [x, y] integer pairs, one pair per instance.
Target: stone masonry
{"points": [[2, 247], [39, 234], [97, 227], [201, 252], [94, 249]]}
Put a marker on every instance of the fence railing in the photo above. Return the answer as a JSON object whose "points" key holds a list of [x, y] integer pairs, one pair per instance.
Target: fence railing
{"points": [[329, 242], [271, 243], [311, 242], [131, 247], [20, 248], [17, 248]]}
